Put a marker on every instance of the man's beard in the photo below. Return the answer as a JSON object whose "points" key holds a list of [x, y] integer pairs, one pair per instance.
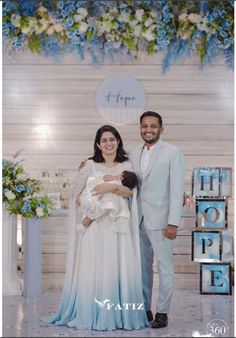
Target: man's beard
{"points": [[150, 141]]}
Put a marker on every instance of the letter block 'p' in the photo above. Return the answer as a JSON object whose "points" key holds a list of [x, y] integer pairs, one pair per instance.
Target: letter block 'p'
{"points": [[207, 246]]}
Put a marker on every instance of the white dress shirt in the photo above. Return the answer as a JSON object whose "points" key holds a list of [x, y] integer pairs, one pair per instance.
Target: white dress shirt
{"points": [[145, 158]]}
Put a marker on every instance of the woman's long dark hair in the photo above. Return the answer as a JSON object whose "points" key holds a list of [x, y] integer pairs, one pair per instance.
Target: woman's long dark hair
{"points": [[121, 155]]}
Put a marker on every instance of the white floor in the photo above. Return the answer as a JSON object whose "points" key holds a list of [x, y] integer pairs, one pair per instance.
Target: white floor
{"points": [[190, 312]]}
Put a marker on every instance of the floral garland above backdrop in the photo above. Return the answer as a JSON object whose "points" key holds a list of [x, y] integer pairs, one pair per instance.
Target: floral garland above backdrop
{"points": [[110, 30]]}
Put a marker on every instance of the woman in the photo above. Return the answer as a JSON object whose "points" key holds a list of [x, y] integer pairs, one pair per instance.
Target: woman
{"points": [[102, 288]]}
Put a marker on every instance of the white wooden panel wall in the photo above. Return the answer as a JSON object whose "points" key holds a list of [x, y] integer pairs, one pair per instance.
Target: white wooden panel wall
{"points": [[49, 110]]}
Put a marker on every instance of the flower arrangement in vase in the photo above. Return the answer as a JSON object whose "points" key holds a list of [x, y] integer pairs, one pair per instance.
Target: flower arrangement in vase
{"points": [[21, 194]]}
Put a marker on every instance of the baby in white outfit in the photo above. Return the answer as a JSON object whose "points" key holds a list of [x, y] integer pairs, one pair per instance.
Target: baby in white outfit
{"points": [[110, 204]]}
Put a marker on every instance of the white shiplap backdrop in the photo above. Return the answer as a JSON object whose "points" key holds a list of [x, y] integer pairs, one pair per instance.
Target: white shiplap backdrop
{"points": [[49, 110]]}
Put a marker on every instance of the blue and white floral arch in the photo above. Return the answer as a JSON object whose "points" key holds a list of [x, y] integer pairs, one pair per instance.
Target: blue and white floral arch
{"points": [[110, 30]]}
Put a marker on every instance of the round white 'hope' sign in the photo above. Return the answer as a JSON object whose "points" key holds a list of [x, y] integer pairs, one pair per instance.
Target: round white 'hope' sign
{"points": [[120, 99]]}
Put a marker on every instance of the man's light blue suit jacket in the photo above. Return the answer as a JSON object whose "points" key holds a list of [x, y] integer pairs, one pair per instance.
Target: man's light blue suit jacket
{"points": [[161, 189]]}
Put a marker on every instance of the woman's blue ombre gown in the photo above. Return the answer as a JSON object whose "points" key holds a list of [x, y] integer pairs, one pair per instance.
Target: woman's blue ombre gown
{"points": [[102, 287]]}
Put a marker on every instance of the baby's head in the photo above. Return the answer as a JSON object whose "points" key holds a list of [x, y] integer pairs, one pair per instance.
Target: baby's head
{"points": [[129, 179]]}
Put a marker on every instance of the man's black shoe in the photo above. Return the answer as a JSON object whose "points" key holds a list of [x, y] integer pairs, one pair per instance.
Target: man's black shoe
{"points": [[149, 315], [161, 320]]}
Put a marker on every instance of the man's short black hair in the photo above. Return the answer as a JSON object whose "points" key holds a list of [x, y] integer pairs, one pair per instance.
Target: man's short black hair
{"points": [[129, 179], [151, 113]]}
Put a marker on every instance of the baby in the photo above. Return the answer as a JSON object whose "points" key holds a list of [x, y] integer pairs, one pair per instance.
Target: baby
{"points": [[110, 204]]}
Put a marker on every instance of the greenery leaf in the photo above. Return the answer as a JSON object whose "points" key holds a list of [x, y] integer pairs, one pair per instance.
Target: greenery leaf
{"points": [[34, 43]]}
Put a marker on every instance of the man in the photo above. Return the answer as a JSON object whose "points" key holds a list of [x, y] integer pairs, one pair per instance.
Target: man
{"points": [[160, 168]]}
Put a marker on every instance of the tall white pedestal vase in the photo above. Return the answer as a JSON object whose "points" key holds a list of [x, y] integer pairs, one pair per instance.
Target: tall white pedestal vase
{"points": [[32, 257], [11, 281]]}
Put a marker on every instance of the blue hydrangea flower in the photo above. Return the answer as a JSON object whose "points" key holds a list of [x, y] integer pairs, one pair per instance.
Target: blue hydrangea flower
{"points": [[66, 7], [166, 15], [6, 29], [72, 35], [101, 7], [60, 4], [69, 22], [162, 3], [18, 41], [162, 37], [228, 42], [83, 3], [78, 49], [222, 32], [51, 46], [30, 189], [71, 6], [41, 205], [20, 188], [203, 6], [26, 207], [9, 6], [28, 8], [123, 6], [179, 49], [226, 24]]}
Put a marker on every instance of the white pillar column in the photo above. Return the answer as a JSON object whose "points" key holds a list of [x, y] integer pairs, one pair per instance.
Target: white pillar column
{"points": [[32, 257], [11, 281]]}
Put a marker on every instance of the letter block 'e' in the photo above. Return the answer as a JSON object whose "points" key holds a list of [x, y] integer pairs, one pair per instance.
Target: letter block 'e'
{"points": [[215, 278]]}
